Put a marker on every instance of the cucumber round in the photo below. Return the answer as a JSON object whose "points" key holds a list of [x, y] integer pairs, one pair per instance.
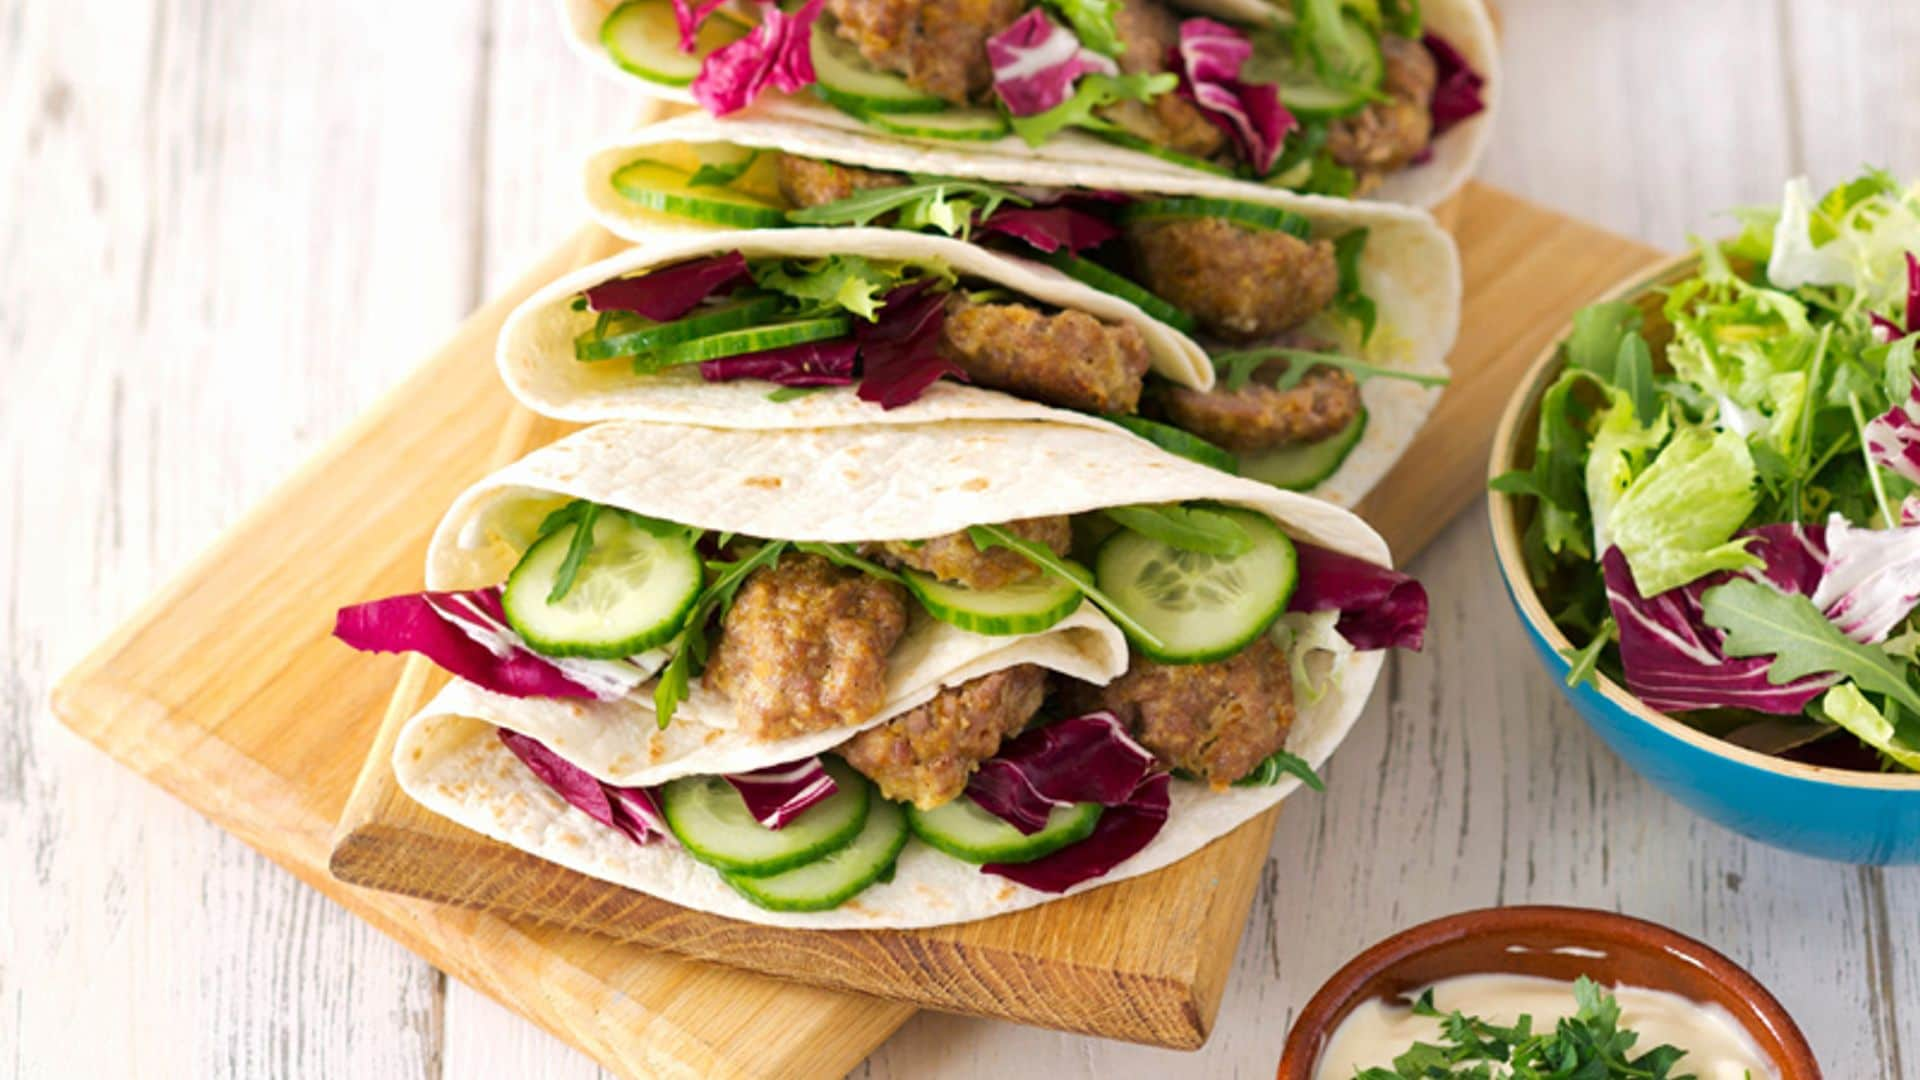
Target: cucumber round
{"points": [[835, 878], [1092, 273], [1308, 465], [712, 822], [631, 593], [1134, 142], [845, 79], [1202, 607], [751, 339], [954, 124], [643, 37], [1252, 215], [656, 186], [1179, 443], [965, 831], [1024, 608], [1345, 49], [637, 335]]}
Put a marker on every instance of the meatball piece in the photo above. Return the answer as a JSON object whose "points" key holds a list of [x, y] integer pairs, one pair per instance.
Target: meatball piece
{"points": [[1148, 33], [805, 647], [1242, 283], [1069, 358], [926, 755], [1216, 721], [1259, 417], [806, 182], [1389, 135], [938, 46], [954, 558]]}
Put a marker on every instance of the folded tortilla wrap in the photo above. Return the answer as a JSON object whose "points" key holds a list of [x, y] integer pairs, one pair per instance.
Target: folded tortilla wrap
{"points": [[1410, 268], [1463, 23], [840, 485]]}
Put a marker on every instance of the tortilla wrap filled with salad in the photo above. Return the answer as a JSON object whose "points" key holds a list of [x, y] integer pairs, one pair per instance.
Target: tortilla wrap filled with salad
{"points": [[880, 676], [1325, 325], [1387, 98]]}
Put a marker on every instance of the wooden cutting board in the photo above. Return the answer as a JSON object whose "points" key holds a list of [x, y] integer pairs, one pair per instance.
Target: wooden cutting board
{"points": [[226, 691]]}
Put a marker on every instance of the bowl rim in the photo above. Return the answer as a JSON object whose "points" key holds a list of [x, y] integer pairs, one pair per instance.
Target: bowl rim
{"points": [[1306, 1039], [1502, 512]]}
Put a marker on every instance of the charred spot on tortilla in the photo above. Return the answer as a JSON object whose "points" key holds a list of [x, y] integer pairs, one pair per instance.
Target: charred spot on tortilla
{"points": [[766, 482], [804, 647]]}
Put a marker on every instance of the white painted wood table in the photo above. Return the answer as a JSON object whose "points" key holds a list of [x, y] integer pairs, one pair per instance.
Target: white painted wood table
{"points": [[226, 226]]}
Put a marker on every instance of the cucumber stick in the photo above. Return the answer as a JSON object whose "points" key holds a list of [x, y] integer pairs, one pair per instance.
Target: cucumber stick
{"points": [[712, 822], [834, 878], [631, 593], [632, 335], [1201, 607], [965, 831], [750, 339]]}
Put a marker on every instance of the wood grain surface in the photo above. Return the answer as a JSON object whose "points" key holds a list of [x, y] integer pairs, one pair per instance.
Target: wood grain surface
{"points": [[225, 228]]}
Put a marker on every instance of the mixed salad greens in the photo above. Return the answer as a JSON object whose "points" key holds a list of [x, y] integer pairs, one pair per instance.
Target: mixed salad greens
{"points": [[1734, 530]]}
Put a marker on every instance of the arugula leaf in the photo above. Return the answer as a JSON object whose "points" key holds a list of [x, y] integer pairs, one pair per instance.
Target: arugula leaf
{"points": [[723, 173], [1762, 621], [1349, 299], [578, 545], [1585, 661], [1186, 528], [988, 537], [1237, 368], [1094, 92], [851, 283], [1633, 373], [1093, 22], [1279, 765], [844, 555], [690, 645]]}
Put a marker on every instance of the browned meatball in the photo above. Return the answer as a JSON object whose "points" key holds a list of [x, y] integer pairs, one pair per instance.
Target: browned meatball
{"points": [[805, 647], [926, 755], [1147, 34], [939, 46], [1259, 417], [1242, 283], [807, 182], [1217, 721], [1068, 358], [1388, 135], [954, 558]]}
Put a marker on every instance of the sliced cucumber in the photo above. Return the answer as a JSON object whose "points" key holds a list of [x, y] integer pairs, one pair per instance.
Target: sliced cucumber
{"points": [[1307, 466], [1024, 608], [1134, 142], [963, 125], [1252, 215], [633, 335], [848, 81], [963, 830], [643, 37], [1302, 90], [654, 185], [712, 822], [1092, 273], [750, 339], [1180, 443], [835, 878], [630, 594], [1203, 607]]}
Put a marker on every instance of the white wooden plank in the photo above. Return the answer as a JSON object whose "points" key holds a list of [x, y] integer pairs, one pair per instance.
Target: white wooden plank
{"points": [[225, 226]]}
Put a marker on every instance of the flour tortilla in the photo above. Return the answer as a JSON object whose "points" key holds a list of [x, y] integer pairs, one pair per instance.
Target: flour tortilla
{"points": [[1463, 23], [842, 484], [1411, 269]]}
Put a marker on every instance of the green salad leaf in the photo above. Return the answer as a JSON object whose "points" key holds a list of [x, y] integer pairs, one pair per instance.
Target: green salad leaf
{"points": [[1675, 522], [850, 283], [1847, 706], [1094, 92], [1189, 528], [1236, 369], [1760, 620], [930, 202], [1093, 22]]}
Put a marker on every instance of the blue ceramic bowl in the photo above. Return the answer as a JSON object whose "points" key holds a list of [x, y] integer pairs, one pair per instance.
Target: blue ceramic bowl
{"points": [[1858, 817]]}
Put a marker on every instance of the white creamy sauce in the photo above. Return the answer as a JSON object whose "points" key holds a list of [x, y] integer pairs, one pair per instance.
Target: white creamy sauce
{"points": [[1717, 1047]]}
